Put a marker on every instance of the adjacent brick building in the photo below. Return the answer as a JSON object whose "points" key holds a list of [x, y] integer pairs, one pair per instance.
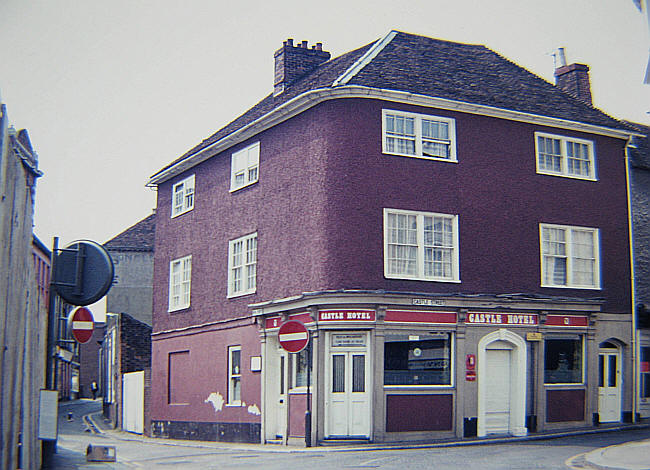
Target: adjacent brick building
{"points": [[126, 346], [452, 229]]}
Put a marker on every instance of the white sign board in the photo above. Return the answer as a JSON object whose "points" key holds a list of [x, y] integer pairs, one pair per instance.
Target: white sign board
{"points": [[48, 414]]}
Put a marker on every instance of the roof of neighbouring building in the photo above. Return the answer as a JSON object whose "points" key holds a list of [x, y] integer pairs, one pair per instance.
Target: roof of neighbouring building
{"points": [[640, 152], [464, 73], [139, 237]]}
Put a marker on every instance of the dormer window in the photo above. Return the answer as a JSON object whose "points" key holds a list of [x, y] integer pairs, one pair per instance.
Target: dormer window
{"points": [[244, 169], [183, 196]]}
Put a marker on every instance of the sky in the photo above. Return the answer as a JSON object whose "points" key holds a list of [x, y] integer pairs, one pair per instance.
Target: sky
{"points": [[110, 92]]}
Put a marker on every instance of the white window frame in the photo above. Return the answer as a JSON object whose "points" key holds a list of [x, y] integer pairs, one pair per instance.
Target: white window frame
{"points": [[420, 259], [183, 196], [245, 163], [183, 281], [242, 265], [234, 376], [418, 135], [564, 170], [570, 257]]}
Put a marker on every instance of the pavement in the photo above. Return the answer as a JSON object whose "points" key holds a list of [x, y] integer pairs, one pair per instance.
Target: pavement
{"points": [[634, 455], [628, 456]]}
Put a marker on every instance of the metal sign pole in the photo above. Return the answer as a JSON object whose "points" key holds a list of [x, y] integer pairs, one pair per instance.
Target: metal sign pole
{"points": [[308, 412]]}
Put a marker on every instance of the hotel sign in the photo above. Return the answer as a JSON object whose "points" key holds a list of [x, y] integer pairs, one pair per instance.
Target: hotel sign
{"points": [[346, 315], [509, 319]]}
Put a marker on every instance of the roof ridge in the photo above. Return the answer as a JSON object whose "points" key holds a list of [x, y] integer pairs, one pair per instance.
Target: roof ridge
{"points": [[365, 59]]}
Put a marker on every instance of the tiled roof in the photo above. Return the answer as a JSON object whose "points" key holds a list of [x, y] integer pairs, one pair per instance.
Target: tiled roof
{"points": [[139, 237], [441, 69], [472, 74]]}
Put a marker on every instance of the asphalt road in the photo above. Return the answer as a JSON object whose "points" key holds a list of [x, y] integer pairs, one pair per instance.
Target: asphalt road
{"points": [[134, 452]]}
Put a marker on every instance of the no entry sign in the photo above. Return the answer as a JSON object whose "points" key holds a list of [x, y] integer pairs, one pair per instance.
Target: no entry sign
{"points": [[293, 336], [82, 324]]}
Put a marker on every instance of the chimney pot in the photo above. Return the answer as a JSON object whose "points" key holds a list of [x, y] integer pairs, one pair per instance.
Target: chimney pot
{"points": [[292, 63]]}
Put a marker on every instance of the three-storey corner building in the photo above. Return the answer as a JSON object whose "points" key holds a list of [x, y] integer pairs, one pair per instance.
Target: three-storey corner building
{"points": [[452, 229]]}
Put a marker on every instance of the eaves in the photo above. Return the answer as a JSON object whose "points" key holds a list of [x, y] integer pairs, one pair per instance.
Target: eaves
{"points": [[311, 98]]}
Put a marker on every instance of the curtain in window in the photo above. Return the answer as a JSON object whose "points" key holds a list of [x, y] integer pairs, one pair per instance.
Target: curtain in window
{"points": [[555, 262], [400, 134], [402, 244], [550, 154]]}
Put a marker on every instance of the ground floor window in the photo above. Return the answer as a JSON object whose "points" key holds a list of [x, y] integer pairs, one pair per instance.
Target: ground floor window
{"points": [[563, 360], [234, 375], [418, 360], [645, 371], [300, 364]]}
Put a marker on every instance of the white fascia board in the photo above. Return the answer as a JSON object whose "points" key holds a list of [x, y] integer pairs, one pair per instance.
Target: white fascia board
{"points": [[364, 60], [311, 98]]}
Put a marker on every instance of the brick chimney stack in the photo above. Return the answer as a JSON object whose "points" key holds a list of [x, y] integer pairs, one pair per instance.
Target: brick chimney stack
{"points": [[293, 62], [574, 79]]}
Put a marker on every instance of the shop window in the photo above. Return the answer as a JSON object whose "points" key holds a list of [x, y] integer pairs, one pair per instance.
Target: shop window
{"points": [[563, 360], [645, 372], [423, 361]]}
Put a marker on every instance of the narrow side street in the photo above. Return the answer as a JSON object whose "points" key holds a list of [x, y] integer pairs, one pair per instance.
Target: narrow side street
{"points": [[135, 451]]}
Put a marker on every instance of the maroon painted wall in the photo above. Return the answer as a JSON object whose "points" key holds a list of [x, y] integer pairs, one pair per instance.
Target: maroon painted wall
{"points": [[565, 405], [206, 373], [419, 413], [318, 211], [495, 190]]}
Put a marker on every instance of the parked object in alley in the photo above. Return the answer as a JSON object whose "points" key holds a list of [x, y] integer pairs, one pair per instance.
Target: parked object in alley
{"points": [[101, 453]]}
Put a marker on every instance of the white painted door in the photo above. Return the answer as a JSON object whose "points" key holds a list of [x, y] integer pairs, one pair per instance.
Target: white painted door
{"points": [[497, 392], [348, 397], [281, 417], [133, 402], [609, 386]]}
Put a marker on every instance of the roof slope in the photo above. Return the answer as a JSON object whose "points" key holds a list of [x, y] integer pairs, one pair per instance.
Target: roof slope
{"points": [[139, 237], [471, 74], [415, 64]]}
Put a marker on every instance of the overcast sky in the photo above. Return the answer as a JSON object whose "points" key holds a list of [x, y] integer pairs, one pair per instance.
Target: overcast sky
{"points": [[111, 91]]}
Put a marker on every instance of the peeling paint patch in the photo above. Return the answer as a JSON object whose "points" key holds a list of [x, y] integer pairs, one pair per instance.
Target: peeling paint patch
{"points": [[254, 410], [217, 401]]}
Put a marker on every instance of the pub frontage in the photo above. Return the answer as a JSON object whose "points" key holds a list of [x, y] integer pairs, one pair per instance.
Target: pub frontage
{"points": [[408, 367]]}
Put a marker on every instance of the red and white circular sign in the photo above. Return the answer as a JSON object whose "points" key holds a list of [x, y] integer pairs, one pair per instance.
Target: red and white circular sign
{"points": [[82, 324], [293, 336]]}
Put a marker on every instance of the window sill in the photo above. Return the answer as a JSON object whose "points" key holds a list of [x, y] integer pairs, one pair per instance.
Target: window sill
{"points": [[240, 294], [234, 190], [405, 278], [178, 309], [567, 385], [418, 387], [234, 405], [422, 157], [562, 175], [182, 212], [548, 286]]}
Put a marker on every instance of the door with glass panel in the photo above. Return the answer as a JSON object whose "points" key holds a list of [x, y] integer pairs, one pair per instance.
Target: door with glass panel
{"points": [[347, 407], [609, 383]]}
